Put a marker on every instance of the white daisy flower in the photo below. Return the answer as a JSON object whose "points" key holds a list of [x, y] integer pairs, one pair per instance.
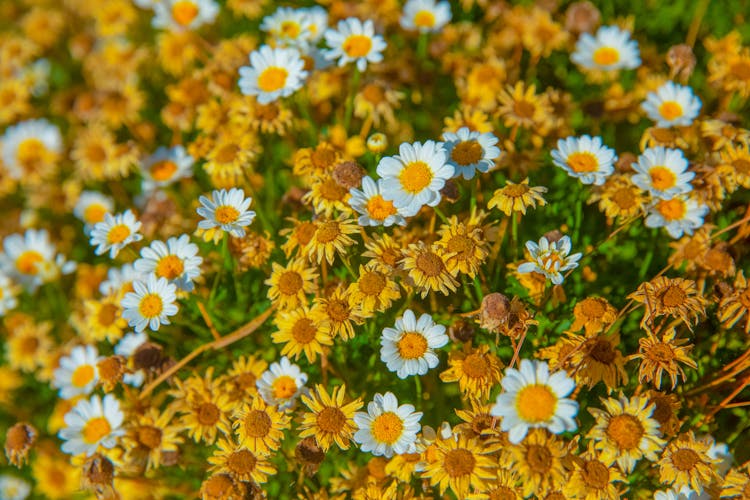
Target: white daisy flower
{"points": [[8, 293], [678, 215], [273, 73], [36, 75], [550, 259], [610, 49], [14, 488], [585, 158], [282, 384], [532, 397], [317, 22], [126, 347], [387, 428], [91, 208], [354, 41], [683, 494], [409, 349], [176, 260], [31, 259], [469, 151], [672, 105], [720, 452], [29, 145], [415, 176], [150, 303], [120, 279], [227, 210], [288, 26], [180, 15], [166, 166], [374, 210], [77, 374], [662, 172], [425, 15], [115, 232], [92, 423]]}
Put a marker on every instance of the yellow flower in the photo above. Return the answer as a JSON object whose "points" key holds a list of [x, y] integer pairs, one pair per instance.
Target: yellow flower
{"points": [[427, 269], [149, 436], [685, 462], [476, 371], [517, 197], [240, 463], [339, 313], [459, 464], [374, 291], [301, 332], [330, 420], [538, 462], [55, 478], [674, 297], [260, 427], [290, 284], [659, 355], [331, 237], [465, 244]]}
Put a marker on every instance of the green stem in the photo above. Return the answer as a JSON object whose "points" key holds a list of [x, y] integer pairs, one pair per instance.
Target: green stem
{"points": [[422, 46], [304, 109], [441, 215], [350, 101], [579, 216], [418, 384], [514, 234]]}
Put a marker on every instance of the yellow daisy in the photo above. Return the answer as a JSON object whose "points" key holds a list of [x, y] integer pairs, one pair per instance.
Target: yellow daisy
{"points": [[329, 420]]}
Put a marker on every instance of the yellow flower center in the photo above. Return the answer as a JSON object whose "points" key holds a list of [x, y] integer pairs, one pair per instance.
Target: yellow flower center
{"points": [[467, 153], [673, 209], [662, 178], [290, 283], [226, 214], [430, 264], [536, 403], [372, 283], [475, 366], [82, 375], [328, 231], [459, 462], [227, 153], [26, 263], [380, 209], [290, 29], [151, 305], [257, 424], [149, 436], [357, 46], [95, 429], [118, 234], [284, 387], [304, 331], [424, 19], [606, 56], [184, 12], [331, 419], [387, 428], [515, 190], [741, 70], [415, 176], [412, 345], [670, 110], [207, 414], [626, 431], [94, 213], [169, 267], [242, 462], [163, 170], [272, 78], [595, 475], [583, 162], [685, 459], [30, 153]]}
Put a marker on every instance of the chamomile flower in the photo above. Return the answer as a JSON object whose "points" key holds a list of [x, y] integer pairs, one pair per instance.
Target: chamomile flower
{"points": [[672, 105], [181, 15], [165, 167], [14, 488], [663, 172], [176, 260], [8, 293], [120, 279], [585, 158], [92, 423], [282, 384], [115, 232], [273, 73], [354, 41], [415, 176], [30, 148], [425, 15], [288, 26], [374, 210], [91, 208], [317, 22], [610, 49], [409, 348], [149, 304], [30, 260], [227, 210], [470, 151], [77, 374], [532, 397], [387, 428], [678, 215], [550, 258]]}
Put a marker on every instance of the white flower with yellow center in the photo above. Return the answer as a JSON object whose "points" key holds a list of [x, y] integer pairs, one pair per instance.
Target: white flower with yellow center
{"points": [[672, 105], [409, 349], [610, 49], [115, 232], [387, 428], [532, 397], [374, 210], [282, 384], [469, 151], [92, 423], [288, 26], [14, 488], [415, 176], [678, 215], [227, 210], [176, 260], [77, 374], [181, 15], [120, 279], [149, 304], [662, 172], [8, 293], [91, 208], [273, 73], [317, 22], [585, 158], [550, 259], [166, 166], [29, 146], [30, 260], [425, 15], [354, 41]]}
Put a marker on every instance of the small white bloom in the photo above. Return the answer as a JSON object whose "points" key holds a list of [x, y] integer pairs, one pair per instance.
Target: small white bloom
{"points": [[425, 15], [282, 384], [387, 428], [273, 73], [678, 215], [227, 210], [36, 75], [374, 210], [683, 494], [8, 293], [126, 347], [180, 15], [77, 374], [720, 452], [28, 145], [611, 49], [409, 349], [288, 27], [663, 172], [120, 279], [166, 166], [317, 22], [176, 260], [115, 232], [92, 423], [469, 151], [354, 41], [14, 488], [30, 260], [672, 105], [585, 158], [550, 259], [150, 303], [91, 208]]}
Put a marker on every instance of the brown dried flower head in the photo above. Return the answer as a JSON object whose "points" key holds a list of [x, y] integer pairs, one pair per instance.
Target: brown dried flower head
{"points": [[18, 442]]}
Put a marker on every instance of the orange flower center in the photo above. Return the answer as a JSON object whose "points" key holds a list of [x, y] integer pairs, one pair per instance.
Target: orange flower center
{"points": [[226, 214], [95, 429], [30, 153], [459, 462], [184, 12], [82, 375], [741, 70], [327, 232], [536, 403], [380, 209], [685, 459], [169, 267], [149, 436], [372, 283], [475, 366], [430, 264], [304, 331], [412, 345], [163, 170], [673, 209], [424, 19], [670, 110], [583, 162], [118, 234], [595, 474], [662, 178], [26, 263], [331, 419], [257, 424], [242, 462], [606, 56], [207, 414], [467, 152], [290, 283], [151, 305], [626, 431], [290, 29], [94, 213], [387, 428], [272, 78], [357, 46], [284, 387]]}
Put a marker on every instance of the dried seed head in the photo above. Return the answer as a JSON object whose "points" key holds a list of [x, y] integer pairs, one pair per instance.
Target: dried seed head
{"points": [[461, 331], [493, 312], [309, 454], [18, 442], [681, 61], [553, 236], [450, 190], [624, 162], [148, 356], [582, 17], [348, 174], [111, 370], [98, 474], [222, 487]]}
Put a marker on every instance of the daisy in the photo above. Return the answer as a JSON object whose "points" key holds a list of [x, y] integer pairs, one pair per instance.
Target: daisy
{"points": [[468, 151], [425, 15], [8, 293], [387, 428], [415, 176], [354, 41], [282, 384], [317, 22], [150, 303], [408, 349], [662, 172], [77, 374], [166, 166], [672, 105], [679, 215], [176, 260], [29, 147], [585, 158], [288, 26], [330, 419], [273, 73], [30, 260], [120, 280], [180, 15], [533, 398], [610, 49], [115, 232], [227, 210], [14, 488], [91, 208], [550, 258], [92, 423], [374, 210]]}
